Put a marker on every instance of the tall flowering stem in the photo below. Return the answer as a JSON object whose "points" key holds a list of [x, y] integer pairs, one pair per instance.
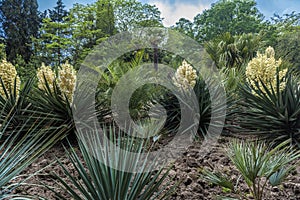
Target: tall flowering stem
{"points": [[67, 80]]}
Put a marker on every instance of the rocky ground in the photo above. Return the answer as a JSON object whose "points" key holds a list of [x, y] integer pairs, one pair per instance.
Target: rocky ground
{"points": [[187, 170]]}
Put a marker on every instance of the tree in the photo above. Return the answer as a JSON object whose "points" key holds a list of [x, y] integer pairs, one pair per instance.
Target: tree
{"points": [[233, 16], [184, 26], [278, 26], [92, 24], [54, 41], [105, 17], [286, 22], [58, 13], [288, 47], [131, 14], [89, 25], [20, 22]]}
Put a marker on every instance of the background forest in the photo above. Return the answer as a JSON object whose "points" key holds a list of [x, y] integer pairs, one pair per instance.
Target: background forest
{"points": [[29, 37]]}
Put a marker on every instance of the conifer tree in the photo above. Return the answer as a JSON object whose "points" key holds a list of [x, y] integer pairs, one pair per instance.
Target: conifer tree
{"points": [[20, 22], [54, 41]]}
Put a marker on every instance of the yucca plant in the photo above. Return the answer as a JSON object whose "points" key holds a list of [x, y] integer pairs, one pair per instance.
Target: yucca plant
{"points": [[204, 100], [259, 164], [20, 147], [269, 112], [15, 104], [51, 103], [112, 173]]}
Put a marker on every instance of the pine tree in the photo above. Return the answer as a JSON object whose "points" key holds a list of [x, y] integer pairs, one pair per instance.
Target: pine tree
{"points": [[58, 13], [90, 25]]}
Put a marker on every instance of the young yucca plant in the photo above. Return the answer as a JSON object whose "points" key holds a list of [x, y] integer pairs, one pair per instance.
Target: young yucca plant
{"points": [[20, 147], [270, 112], [259, 165], [112, 173]]}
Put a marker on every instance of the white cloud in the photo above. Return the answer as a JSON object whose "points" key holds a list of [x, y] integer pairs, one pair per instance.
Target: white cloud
{"points": [[172, 12]]}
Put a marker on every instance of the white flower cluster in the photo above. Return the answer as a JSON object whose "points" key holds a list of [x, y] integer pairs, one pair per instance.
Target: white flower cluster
{"points": [[185, 76], [45, 74], [65, 81], [8, 74], [263, 68]]}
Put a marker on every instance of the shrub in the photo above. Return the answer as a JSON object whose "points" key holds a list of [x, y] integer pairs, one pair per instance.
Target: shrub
{"points": [[228, 51], [110, 78], [14, 97], [16, 106], [54, 98], [54, 95], [271, 114]]}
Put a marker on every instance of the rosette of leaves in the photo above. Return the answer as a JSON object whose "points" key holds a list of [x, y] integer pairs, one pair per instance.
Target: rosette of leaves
{"points": [[49, 100], [204, 99], [16, 106], [270, 113], [51, 103], [270, 100], [98, 178], [112, 75]]}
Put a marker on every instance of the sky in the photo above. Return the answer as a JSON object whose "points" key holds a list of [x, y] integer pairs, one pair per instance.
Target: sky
{"points": [[173, 10]]}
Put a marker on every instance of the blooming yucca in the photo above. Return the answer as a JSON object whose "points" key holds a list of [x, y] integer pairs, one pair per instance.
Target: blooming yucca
{"points": [[185, 76], [45, 74], [8, 74], [67, 80], [264, 68]]}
